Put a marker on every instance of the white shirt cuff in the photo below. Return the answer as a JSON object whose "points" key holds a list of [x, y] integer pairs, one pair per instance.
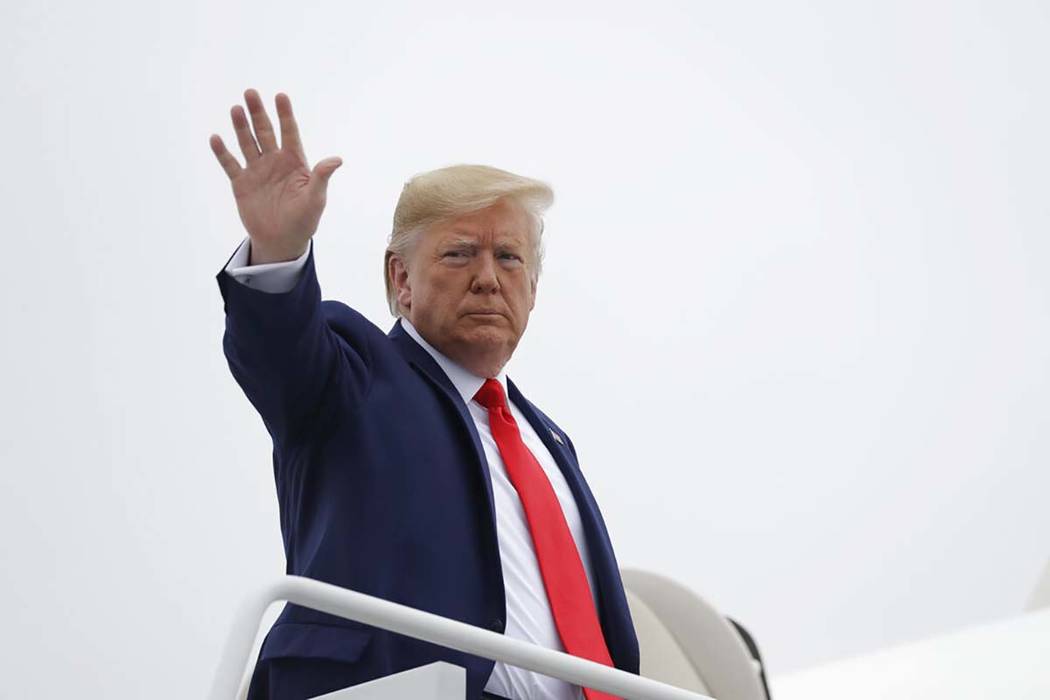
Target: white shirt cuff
{"points": [[274, 278]]}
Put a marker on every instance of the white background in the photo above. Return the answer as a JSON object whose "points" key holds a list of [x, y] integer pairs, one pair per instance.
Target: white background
{"points": [[794, 315]]}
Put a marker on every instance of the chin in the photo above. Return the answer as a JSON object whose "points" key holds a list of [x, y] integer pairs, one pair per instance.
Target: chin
{"points": [[486, 336]]}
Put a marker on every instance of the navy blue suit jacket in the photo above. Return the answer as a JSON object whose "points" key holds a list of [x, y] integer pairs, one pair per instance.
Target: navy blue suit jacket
{"points": [[383, 488]]}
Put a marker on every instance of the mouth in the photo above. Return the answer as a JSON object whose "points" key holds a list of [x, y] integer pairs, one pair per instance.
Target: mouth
{"points": [[484, 314]]}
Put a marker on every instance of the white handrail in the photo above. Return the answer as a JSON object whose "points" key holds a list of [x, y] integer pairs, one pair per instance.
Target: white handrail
{"points": [[430, 628]]}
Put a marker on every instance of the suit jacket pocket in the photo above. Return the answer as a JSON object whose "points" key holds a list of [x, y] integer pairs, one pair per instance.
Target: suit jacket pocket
{"points": [[299, 640]]}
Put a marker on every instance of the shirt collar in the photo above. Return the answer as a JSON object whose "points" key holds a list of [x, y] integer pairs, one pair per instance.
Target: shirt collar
{"points": [[466, 382]]}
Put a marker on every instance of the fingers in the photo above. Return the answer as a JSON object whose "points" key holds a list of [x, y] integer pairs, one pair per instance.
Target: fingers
{"points": [[226, 159], [249, 148], [289, 129], [263, 140], [261, 122]]}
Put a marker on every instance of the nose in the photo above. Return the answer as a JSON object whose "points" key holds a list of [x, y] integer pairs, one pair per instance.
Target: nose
{"points": [[486, 279]]}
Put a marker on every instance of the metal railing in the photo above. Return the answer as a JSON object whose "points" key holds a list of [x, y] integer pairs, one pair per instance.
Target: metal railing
{"points": [[425, 626]]}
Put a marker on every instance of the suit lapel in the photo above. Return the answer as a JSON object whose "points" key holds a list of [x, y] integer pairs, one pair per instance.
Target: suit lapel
{"points": [[425, 365]]}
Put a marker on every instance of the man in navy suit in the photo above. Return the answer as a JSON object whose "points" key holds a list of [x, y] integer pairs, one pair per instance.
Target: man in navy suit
{"points": [[408, 465]]}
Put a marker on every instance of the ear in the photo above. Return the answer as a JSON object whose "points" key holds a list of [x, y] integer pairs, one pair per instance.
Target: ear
{"points": [[399, 278]]}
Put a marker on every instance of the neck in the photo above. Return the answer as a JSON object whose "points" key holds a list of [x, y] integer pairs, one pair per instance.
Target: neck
{"points": [[479, 366]]}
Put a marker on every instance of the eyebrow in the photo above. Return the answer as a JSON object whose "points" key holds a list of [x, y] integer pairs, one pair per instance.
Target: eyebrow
{"points": [[460, 243], [464, 240]]}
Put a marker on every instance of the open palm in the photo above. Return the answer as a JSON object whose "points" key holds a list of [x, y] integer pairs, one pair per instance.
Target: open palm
{"points": [[279, 198]]}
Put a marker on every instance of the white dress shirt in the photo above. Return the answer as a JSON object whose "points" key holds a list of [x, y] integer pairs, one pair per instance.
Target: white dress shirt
{"points": [[529, 614]]}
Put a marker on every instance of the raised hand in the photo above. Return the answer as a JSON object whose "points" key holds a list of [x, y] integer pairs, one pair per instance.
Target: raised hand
{"points": [[279, 198]]}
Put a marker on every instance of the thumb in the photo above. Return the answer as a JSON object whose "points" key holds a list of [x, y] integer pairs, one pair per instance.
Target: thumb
{"points": [[324, 169]]}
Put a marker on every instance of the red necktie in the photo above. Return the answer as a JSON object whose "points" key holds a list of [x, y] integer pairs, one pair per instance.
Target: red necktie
{"points": [[560, 564]]}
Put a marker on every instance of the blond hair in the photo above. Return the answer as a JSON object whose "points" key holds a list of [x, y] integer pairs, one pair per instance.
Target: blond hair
{"points": [[448, 193]]}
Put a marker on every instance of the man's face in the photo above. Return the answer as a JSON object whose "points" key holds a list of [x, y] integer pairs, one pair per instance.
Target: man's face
{"points": [[468, 286]]}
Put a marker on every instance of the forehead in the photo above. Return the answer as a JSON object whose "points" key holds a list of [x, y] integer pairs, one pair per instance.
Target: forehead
{"points": [[505, 222]]}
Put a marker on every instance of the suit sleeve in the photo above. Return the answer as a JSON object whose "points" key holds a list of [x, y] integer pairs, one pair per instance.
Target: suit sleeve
{"points": [[295, 370]]}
